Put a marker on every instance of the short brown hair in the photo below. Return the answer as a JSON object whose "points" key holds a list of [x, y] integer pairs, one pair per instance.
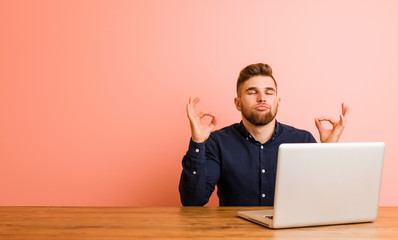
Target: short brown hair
{"points": [[257, 69]]}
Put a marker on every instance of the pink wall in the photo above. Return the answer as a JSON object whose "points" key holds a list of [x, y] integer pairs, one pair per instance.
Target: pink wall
{"points": [[93, 93]]}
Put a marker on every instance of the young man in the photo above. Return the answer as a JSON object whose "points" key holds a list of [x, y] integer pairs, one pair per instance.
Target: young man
{"points": [[241, 158]]}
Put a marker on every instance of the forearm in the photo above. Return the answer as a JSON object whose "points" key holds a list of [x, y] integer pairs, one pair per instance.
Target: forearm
{"points": [[194, 188]]}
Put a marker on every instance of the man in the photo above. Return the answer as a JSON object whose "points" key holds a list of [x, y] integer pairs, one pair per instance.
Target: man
{"points": [[241, 158]]}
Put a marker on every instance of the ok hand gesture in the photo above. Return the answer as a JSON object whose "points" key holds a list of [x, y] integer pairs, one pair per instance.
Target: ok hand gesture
{"points": [[199, 131], [332, 135]]}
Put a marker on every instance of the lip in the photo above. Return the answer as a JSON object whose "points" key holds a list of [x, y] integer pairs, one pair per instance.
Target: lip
{"points": [[261, 108]]}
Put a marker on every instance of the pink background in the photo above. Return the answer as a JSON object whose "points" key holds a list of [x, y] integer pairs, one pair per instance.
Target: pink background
{"points": [[93, 93]]}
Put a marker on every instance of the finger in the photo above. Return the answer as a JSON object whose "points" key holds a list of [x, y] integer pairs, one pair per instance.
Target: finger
{"points": [[328, 119], [345, 110], [342, 120], [189, 102], [191, 105], [204, 114], [213, 121], [339, 127], [195, 101], [318, 124], [190, 111]]}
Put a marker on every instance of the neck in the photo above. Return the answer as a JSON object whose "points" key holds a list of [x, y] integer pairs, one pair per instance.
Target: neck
{"points": [[260, 133]]}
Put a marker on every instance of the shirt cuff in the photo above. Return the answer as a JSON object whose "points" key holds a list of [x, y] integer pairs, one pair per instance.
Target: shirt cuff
{"points": [[196, 150]]}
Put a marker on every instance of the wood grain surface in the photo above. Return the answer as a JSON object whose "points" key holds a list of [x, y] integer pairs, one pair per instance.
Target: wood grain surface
{"points": [[171, 223]]}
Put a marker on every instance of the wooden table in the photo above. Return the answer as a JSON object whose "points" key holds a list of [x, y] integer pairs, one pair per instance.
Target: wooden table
{"points": [[170, 223]]}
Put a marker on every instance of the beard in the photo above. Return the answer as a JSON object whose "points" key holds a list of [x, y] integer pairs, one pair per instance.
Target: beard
{"points": [[259, 118]]}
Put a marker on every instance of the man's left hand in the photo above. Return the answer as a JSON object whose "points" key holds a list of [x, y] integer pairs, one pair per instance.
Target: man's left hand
{"points": [[332, 135]]}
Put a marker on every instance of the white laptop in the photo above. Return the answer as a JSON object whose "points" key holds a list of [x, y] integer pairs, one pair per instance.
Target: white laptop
{"points": [[324, 184]]}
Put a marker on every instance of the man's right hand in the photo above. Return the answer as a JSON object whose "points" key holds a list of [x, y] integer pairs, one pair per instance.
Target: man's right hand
{"points": [[199, 131]]}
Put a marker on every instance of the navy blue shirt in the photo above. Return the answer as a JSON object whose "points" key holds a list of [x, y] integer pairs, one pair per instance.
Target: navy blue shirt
{"points": [[243, 169]]}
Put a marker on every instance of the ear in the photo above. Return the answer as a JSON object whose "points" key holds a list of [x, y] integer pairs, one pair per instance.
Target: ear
{"points": [[237, 103]]}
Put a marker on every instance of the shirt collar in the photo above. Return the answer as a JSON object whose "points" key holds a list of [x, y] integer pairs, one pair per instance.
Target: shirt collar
{"points": [[249, 137]]}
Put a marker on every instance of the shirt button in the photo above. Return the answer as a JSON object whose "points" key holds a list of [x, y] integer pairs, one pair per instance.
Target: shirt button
{"points": [[263, 195], [194, 172], [247, 138], [262, 147], [197, 150], [263, 171]]}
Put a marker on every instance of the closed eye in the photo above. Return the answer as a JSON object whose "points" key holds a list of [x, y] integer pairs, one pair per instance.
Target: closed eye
{"points": [[270, 91], [250, 92]]}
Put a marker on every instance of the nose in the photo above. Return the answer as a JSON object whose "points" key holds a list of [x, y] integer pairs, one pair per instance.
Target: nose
{"points": [[261, 97]]}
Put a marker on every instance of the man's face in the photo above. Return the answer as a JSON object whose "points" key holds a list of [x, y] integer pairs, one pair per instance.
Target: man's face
{"points": [[258, 100]]}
